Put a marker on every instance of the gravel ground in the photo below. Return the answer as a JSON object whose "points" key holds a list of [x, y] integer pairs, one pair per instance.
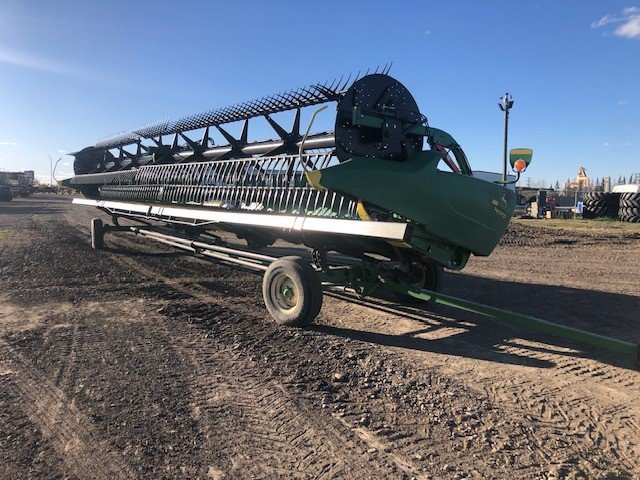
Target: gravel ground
{"points": [[142, 362]]}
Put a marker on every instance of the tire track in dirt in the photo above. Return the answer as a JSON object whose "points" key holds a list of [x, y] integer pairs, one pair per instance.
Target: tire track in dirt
{"points": [[588, 419], [275, 426], [406, 442], [126, 380], [529, 394], [290, 436], [603, 414], [66, 428]]}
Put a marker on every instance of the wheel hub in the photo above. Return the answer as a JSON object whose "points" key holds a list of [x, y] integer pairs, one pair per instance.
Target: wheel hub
{"points": [[288, 292], [417, 272], [283, 292]]}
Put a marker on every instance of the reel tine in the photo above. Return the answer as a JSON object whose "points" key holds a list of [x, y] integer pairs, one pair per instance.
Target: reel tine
{"points": [[346, 82], [339, 82], [328, 90]]}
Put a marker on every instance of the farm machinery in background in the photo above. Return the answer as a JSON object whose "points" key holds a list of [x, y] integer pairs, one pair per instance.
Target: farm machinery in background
{"points": [[16, 184], [5, 190], [385, 200]]}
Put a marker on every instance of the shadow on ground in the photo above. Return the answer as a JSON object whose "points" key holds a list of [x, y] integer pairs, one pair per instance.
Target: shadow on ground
{"points": [[481, 337]]}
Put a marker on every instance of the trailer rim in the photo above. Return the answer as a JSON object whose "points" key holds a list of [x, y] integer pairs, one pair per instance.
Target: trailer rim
{"points": [[425, 275], [283, 292], [292, 291]]}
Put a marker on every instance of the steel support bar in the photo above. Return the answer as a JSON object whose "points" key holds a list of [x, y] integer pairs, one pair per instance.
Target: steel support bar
{"points": [[322, 140], [526, 321], [172, 244], [238, 257], [204, 245]]}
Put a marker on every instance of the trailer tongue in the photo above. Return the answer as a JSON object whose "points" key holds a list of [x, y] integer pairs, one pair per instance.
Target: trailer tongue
{"points": [[368, 190]]}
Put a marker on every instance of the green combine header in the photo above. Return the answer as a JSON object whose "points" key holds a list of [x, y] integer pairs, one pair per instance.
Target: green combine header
{"points": [[384, 188]]}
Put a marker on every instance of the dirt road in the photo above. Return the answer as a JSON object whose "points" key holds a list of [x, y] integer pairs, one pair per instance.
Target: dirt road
{"points": [[141, 362]]}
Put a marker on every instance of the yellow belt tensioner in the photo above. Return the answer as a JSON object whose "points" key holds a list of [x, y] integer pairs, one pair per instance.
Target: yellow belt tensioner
{"points": [[313, 178]]}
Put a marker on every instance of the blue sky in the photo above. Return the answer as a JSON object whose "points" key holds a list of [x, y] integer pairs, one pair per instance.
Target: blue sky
{"points": [[73, 72]]}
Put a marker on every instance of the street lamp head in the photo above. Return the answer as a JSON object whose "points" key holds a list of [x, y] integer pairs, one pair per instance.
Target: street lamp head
{"points": [[506, 102]]}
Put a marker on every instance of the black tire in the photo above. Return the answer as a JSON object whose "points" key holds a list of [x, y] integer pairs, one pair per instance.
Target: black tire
{"points": [[629, 218], [601, 199], [589, 211], [593, 196], [629, 212], [97, 234], [255, 243], [630, 196], [629, 203], [292, 291], [431, 278]]}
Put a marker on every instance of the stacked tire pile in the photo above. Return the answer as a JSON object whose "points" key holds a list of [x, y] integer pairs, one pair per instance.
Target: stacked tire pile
{"points": [[629, 207], [600, 204]]}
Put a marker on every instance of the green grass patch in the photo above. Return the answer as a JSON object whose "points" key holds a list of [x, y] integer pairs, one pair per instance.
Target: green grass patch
{"points": [[5, 235]]}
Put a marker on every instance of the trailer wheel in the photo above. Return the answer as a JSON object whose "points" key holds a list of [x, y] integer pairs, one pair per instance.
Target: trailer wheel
{"points": [[97, 234], [257, 244], [292, 291], [427, 275]]}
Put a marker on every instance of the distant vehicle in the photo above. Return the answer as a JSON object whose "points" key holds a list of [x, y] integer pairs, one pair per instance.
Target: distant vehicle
{"points": [[20, 183], [5, 190], [527, 195], [45, 189]]}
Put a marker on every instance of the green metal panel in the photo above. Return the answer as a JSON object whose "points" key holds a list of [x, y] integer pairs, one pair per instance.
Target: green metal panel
{"points": [[457, 209]]}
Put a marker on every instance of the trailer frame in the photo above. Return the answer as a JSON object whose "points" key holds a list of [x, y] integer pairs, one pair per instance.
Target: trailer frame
{"points": [[363, 276]]}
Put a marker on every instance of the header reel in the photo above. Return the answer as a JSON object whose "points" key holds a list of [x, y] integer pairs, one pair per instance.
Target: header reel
{"points": [[376, 117], [378, 96]]}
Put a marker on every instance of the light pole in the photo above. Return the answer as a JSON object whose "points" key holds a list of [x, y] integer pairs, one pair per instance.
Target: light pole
{"points": [[506, 102], [50, 171], [54, 170]]}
